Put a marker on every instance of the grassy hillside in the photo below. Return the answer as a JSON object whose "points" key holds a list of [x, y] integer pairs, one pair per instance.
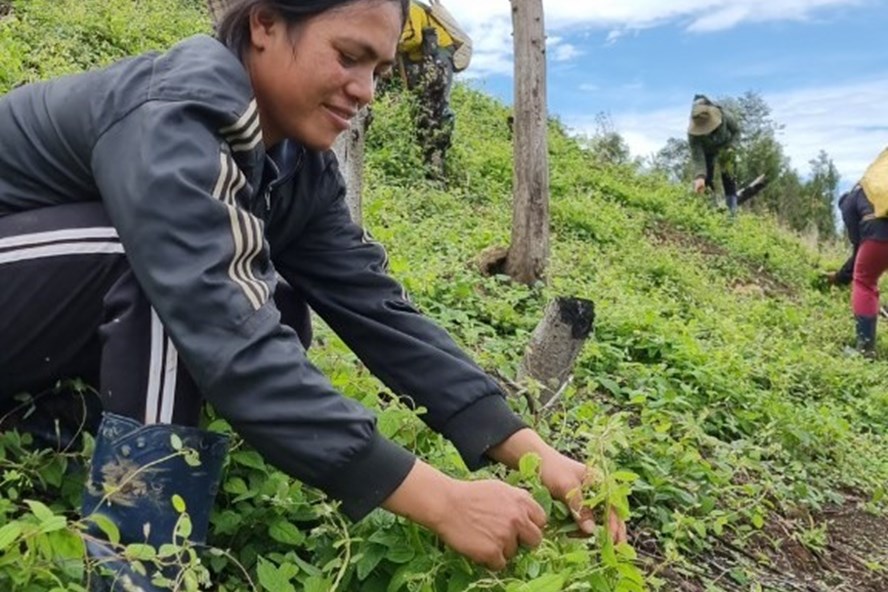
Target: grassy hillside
{"points": [[716, 386]]}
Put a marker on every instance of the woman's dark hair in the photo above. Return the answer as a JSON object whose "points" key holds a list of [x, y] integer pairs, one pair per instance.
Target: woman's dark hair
{"points": [[234, 28]]}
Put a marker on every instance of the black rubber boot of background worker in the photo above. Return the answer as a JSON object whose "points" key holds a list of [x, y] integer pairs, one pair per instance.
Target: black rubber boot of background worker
{"points": [[139, 478], [866, 335]]}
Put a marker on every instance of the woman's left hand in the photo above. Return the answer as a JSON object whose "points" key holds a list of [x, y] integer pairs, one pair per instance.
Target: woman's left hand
{"points": [[567, 479]]}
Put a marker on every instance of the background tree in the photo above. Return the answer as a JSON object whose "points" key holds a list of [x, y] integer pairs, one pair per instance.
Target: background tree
{"points": [[801, 204], [606, 143], [674, 160], [822, 190]]}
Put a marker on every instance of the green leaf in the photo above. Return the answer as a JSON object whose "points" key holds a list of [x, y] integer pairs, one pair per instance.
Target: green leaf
{"points": [[184, 526], [178, 503], [399, 579], [140, 551], [546, 583], [401, 553], [40, 510], [608, 556], [249, 458], [306, 567], [53, 523], [9, 533], [285, 532], [108, 528], [176, 442], [610, 385], [271, 578], [529, 466], [235, 485], [317, 584], [372, 555], [624, 476], [67, 545]]}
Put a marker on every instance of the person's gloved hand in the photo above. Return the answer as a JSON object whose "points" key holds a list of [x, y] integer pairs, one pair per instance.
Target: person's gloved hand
{"points": [[699, 185]]}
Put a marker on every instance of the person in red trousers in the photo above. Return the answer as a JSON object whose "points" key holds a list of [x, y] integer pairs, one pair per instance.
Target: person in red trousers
{"points": [[865, 214]]}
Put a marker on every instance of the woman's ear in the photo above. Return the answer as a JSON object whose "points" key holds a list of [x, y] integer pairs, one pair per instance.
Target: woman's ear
{"points": [[265, 25]]}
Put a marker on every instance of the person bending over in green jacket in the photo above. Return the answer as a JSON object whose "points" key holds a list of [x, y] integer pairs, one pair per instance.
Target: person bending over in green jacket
{"points": [[712, 135]]}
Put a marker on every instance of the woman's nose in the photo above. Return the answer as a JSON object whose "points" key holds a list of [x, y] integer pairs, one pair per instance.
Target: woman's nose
{"points": [[362, 88]]}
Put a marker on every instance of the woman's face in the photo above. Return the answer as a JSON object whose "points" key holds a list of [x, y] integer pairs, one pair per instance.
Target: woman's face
{"points": [[311, 80]]}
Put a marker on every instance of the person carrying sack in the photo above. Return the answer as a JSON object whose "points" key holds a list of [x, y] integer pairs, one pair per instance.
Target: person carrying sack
{"points": [[865, 215], [432, 48], [712, 134]]}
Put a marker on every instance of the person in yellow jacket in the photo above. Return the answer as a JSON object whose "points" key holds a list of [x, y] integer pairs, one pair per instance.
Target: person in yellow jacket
{"points": [[431, 49], [865, 214]]}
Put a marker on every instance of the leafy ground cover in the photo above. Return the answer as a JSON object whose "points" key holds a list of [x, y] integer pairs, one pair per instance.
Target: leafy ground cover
{"points": [[716, 392]]}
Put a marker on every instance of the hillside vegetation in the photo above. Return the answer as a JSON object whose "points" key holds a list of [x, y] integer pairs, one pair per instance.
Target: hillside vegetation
{"points": [[716, 391]]}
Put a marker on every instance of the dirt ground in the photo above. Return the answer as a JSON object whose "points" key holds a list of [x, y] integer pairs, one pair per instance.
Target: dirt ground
{"points": [[843, 549], [758, 282]]}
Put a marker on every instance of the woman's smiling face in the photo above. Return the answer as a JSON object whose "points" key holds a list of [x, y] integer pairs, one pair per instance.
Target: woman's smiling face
{"points": [[311, 79]]}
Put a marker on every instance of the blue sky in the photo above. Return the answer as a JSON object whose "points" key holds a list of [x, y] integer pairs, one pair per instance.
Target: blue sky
{"points": [[822, 66]]}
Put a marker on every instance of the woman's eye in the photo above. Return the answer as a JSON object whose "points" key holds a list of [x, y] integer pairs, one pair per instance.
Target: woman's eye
{"points": [[347, 60]]}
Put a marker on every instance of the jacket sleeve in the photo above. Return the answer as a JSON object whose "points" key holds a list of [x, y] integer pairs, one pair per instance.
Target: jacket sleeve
{"points": [[698, 157], [851, 219], [169, 183], [342, 273]]}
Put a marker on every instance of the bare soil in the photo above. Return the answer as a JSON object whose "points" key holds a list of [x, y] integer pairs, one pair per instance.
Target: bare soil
{"points": [[842, 549]]}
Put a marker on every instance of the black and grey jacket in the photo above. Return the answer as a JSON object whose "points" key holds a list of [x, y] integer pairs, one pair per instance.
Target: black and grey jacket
{"points": [[171, 145], [861, 225]]}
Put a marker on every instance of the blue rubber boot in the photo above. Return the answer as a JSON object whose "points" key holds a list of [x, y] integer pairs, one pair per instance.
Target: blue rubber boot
{"points": [[139, 478]]}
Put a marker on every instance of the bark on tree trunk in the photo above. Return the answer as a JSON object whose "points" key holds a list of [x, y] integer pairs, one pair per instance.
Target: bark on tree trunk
{"points": [[349, 149], [556, 342], [529, 249]]}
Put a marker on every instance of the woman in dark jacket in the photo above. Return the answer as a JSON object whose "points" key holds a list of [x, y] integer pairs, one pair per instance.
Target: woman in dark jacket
{"points": [[163, 222]]}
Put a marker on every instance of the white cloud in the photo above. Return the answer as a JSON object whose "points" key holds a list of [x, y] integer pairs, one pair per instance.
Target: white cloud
{"points": [[565, 52], [489, 23], [847, 120]]}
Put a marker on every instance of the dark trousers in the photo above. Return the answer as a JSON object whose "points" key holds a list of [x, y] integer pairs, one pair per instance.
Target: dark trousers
{"points": [[727, 177], [70, 306]]}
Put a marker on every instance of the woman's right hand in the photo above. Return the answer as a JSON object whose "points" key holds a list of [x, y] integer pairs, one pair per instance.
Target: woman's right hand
{"points": [[487, 521]]}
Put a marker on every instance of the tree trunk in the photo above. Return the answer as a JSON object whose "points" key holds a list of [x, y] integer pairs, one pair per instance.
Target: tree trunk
{"points": [[556, 342], [529, 249], [349, 149]]}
